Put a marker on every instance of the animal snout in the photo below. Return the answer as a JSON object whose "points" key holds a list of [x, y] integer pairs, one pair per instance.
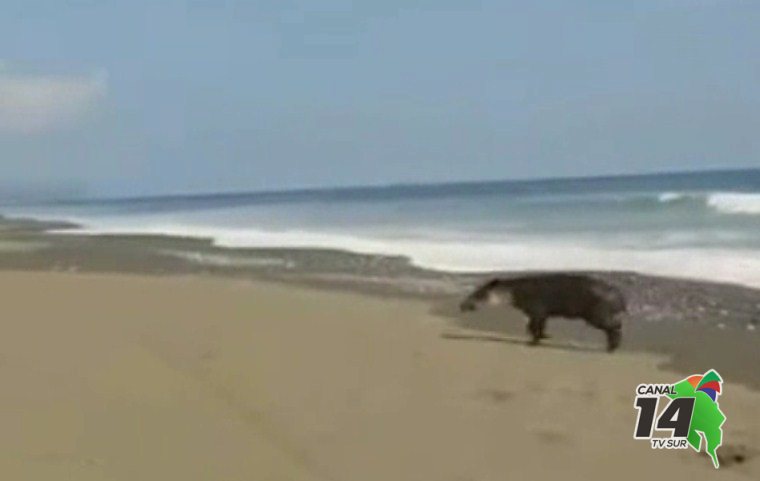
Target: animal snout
{"points": [[467, 306]]}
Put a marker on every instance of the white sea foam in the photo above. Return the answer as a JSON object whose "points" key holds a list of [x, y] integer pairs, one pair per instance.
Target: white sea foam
{"points": [[723, 202], [667, 197], [735, 202], [220, 260], [512, 253]]}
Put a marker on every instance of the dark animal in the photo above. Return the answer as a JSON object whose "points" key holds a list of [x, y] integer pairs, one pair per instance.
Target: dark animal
{"points": [[563, 295]]}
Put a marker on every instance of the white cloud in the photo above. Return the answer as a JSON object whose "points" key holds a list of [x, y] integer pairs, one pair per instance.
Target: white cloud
{"points": [[32, 103]]}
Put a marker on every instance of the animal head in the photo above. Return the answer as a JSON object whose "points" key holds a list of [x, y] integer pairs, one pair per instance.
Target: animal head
{"points": [[483, 295], [470, 303]]}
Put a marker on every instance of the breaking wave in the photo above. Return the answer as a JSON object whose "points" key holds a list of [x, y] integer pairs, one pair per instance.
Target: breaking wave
{"points": [[735, 203], [722, 202], [668, 197]]}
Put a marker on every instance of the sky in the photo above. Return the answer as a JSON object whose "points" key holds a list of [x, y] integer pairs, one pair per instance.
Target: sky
{"points": [[146, 97]]}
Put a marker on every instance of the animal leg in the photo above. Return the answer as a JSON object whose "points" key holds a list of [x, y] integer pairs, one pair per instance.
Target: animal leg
{"points": [[614, 336], [611, 327], [543, 333], [536, 327]]}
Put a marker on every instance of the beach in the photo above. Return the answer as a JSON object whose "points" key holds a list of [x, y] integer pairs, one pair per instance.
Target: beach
{"points": [[161, 357], [182, 377], [379, 241]]}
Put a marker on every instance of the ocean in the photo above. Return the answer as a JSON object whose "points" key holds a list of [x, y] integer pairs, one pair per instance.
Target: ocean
{"points": [[703, 225]]}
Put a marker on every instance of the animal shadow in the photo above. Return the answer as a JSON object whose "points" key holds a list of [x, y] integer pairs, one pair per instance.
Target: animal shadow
{"points": [[485, 337]]}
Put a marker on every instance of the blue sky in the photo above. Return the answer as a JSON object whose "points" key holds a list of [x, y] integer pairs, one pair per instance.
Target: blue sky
{"points": [[138, 97]]}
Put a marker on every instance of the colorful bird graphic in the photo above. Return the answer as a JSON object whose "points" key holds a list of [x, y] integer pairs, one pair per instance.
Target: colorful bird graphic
{"points": [[709, 384]]}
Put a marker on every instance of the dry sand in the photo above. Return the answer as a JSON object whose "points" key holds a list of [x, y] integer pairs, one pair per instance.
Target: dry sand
{"points": [[132, 378]]}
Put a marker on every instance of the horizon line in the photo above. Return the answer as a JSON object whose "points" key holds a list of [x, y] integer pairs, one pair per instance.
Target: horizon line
{"points": [[400, 185]]}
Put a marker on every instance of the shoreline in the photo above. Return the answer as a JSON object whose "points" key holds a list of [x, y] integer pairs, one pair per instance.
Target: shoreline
{"points": [[161, 253], [671, 255]]}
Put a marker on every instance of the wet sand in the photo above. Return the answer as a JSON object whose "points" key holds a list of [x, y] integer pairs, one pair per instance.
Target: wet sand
{"points": [[128, 377]]}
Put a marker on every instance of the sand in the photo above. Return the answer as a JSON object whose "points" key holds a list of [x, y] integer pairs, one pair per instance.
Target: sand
{"points": [[117, 377]]}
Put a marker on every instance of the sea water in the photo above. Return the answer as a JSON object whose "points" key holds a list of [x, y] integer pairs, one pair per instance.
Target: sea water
{"points": [[697, 225]]}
